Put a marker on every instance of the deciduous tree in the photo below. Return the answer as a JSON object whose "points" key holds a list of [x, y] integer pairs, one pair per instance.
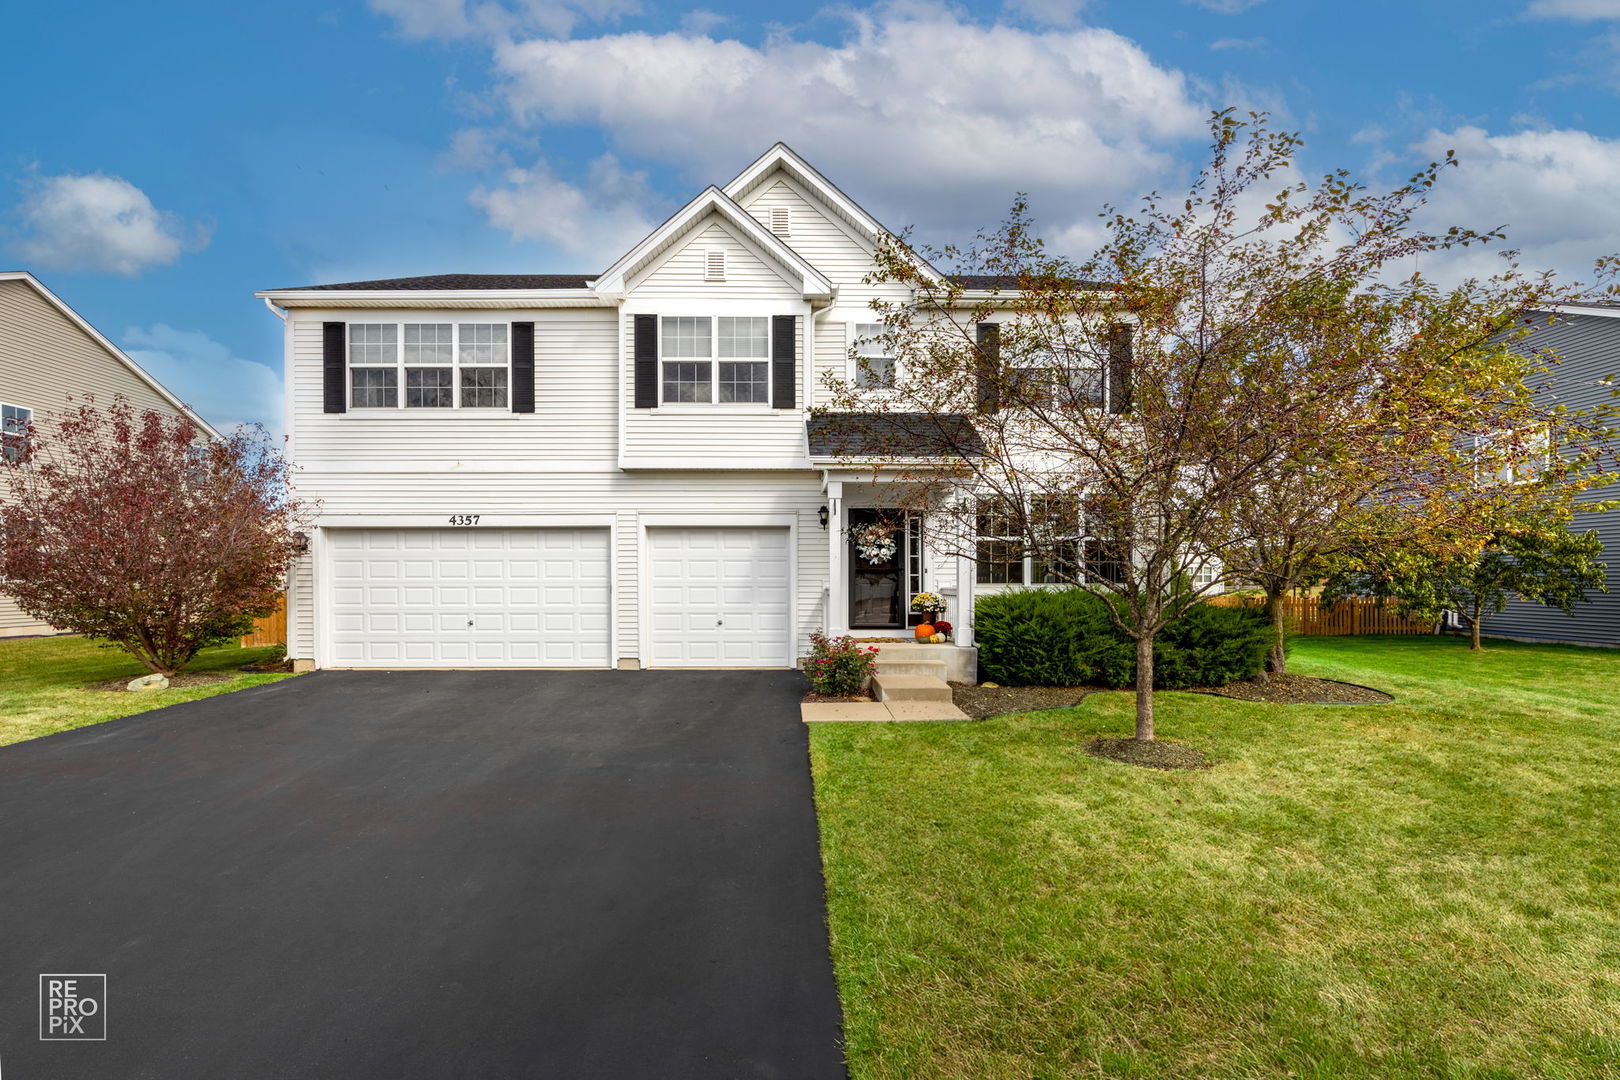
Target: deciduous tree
{"points": [[141, 529]]}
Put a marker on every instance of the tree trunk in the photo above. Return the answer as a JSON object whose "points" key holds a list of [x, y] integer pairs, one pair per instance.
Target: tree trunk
{"points": [[1144, 689], [1473, 632], [1277, 661]]}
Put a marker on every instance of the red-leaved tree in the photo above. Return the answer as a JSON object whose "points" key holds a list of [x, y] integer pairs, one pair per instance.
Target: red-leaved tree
{"points": [[141, 529]]}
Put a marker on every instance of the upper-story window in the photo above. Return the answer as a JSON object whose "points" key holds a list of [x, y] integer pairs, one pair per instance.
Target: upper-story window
{"points": [[874, 358], [1054, 380], [437, 365], [715, 359], [14, 421]]}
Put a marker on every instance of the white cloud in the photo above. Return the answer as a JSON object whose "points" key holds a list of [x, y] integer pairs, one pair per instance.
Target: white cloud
{"points": [[101, 223], [701, 22], [469, 18], [597, 221], [1575, 9], [915, 111], [1050, 12], [1558, 193], [223, 388], [1227, 44], [1226, 7]]}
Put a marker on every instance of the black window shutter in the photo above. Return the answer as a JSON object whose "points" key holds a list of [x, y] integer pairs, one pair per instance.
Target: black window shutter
{"points": [[989, 374], [523, 367], [1120, 361], [334, 394], [646, 361], [784, 364]]}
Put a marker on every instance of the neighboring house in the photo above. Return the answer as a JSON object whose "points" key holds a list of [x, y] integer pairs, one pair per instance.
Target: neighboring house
{"points": [[613, 469], [49, 355], [1586, 338]]}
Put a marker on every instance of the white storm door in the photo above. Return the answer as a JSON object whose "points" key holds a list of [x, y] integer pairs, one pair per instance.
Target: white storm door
{"points": [[469, 597], [719, 597]]}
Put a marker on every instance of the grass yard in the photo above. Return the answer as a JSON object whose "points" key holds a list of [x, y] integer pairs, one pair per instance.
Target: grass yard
{"points": [[42, 680], [1424, 889]]}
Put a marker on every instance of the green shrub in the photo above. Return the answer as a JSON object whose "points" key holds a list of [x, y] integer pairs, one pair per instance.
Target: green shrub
{"points": [[1064, 637], [838, 667]]}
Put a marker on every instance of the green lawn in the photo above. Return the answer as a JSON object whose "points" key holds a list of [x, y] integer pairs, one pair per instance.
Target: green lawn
{"points": [[1424, 889], [42, 680]]}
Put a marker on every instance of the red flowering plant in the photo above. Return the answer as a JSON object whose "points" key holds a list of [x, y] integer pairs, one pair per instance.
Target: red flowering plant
{"points": [[942, 627], [838, 667]]}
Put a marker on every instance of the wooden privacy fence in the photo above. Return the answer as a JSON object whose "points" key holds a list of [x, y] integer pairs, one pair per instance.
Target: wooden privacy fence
{"points": [[270, 630], [1355, 616]]}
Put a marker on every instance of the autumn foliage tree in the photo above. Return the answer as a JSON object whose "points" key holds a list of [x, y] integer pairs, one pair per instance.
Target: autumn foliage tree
{"points": [[143, 530], [1254, 349]]}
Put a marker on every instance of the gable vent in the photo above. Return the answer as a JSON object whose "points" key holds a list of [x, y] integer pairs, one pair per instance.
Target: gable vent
{"points": [[781, 220], [714, 264]]}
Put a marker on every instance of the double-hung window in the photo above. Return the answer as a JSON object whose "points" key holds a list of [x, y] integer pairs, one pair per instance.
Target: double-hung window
{"points": [[715, 359], [1047, 378], [1042, 540], [14, 421], [874, 358], [1000, 554], [429, 365]]}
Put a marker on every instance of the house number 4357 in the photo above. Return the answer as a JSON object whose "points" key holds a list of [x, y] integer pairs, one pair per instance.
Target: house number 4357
{"points": [[464, 519]]}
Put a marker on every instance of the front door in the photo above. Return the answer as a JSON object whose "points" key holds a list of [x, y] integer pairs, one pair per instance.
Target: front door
{"points": [[875, 595]]}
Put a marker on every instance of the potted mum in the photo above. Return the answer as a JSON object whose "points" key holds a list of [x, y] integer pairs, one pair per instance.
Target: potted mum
{"points": [[928, 605]]}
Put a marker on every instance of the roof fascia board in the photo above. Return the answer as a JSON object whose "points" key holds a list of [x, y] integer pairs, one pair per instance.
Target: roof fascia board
{"points": [[101, 339]]}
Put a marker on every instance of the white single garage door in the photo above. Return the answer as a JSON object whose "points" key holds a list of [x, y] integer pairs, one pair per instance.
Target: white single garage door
{"points": [[469, 597], [720, 597]]}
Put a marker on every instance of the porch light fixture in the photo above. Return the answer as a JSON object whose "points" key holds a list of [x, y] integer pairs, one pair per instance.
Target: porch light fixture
{"points": [[822, 514], [301, 543]]}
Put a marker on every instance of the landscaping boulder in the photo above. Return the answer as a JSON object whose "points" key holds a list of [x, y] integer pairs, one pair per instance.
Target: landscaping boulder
{"points": [[149, 682]]}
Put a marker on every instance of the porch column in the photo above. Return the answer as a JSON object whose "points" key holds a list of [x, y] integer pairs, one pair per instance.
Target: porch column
{"points": [[837, 581], [967, 575]]}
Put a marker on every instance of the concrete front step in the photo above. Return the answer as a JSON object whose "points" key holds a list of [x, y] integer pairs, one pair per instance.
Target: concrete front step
{"points": [[936, 668], [910, 688], [925, 710]]}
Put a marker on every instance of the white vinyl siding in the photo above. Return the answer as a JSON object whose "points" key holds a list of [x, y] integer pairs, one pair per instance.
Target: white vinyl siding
{"points": [[574, 425], [683, 272]]}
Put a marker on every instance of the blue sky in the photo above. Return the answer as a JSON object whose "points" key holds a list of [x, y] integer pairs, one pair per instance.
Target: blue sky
{"points": [[168, 158]]}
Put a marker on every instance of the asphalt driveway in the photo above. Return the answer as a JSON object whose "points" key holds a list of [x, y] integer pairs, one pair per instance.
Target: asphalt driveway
{"points": [[426, 874]]}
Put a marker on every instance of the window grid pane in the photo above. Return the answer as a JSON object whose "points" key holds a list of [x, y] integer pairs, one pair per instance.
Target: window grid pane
{"points": [[745, 337], [874, 367], [372, 343], [374, 388], [428, 388], [686, 335], [427, 343], [482, 343], [687, 381], [745, 381], [483, 388]]}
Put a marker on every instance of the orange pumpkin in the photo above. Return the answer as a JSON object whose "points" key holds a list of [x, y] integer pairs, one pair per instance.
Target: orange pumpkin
{"points": [[925, 631]]}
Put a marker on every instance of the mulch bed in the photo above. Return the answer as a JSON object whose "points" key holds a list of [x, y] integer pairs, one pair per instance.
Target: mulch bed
{"points": [[812, 698], [267, 669], [1158, 754], [980, 702], [122, 685], [1300, 690]]}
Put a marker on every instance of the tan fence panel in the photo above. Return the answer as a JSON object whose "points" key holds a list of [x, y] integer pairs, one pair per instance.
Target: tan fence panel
{"points": [[270, 630], [1357, 616]]}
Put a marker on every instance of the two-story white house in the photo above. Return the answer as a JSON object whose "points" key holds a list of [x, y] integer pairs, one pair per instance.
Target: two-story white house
{"points": [[617, 469]]}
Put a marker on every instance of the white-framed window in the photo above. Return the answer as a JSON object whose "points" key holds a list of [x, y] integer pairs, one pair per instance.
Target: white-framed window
{"points": [[1062, 381], [875, 367], [714, 264], [781, 220], [715, 359], [423, 365], [14, 421], [1063, 551]]}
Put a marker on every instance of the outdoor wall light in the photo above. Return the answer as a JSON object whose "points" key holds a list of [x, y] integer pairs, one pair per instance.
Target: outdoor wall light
{"points": [[823, 515]]}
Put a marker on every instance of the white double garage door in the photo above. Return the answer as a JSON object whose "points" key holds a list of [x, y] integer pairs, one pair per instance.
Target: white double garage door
{"points": [[546, 597]]}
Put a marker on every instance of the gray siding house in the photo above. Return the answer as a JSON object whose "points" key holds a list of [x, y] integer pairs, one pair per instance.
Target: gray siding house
{"points": [[1587, 338], [50, 356]]}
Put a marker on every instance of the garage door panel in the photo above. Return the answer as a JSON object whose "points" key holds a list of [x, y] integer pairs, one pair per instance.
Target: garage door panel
{"points": [[719, 597], [481, 597]]}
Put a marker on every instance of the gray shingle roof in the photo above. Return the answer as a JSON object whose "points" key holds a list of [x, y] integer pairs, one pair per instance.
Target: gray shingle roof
{"points": [[892, 435], [527, 282]]}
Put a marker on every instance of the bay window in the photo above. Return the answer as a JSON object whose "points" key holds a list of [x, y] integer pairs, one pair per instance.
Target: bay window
{"points": [[722, 359], [436, 365]]}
